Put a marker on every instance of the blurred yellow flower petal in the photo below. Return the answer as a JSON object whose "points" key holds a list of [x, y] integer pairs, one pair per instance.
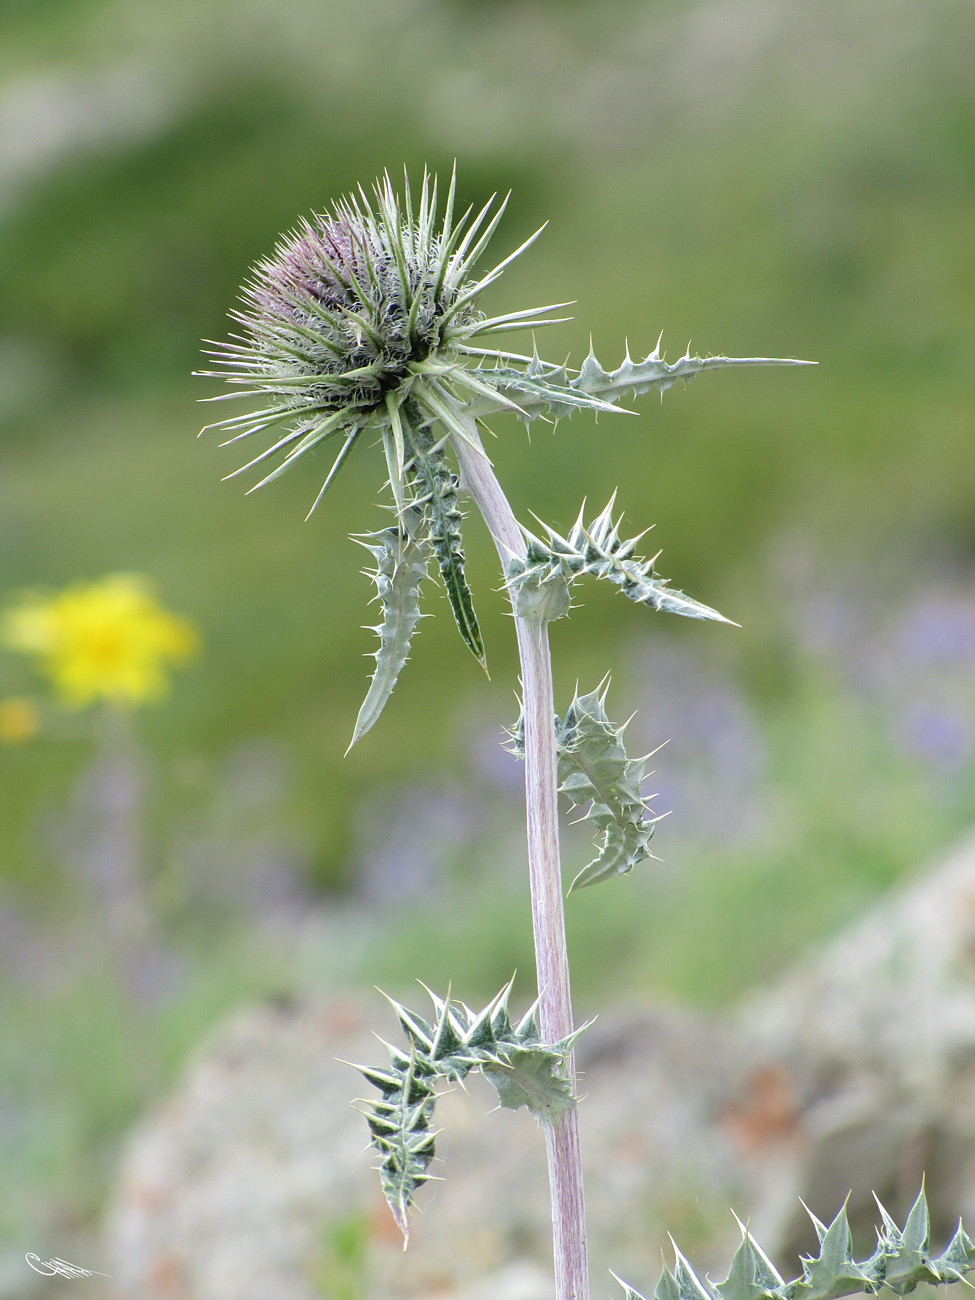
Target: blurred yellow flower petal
{"points": [[19, 720], [102, 640]]}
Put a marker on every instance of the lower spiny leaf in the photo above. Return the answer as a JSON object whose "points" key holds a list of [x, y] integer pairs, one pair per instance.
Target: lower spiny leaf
{"points": [[400, 1131], [436, 489], [524, 1070], [900, 1262]]}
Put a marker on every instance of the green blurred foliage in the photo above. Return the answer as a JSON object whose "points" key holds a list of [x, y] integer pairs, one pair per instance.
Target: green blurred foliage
{"points": [[771, 179], [340, 1271]]}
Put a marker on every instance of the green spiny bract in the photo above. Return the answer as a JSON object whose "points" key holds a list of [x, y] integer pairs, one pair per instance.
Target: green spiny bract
{"points": [[901, 1262], [595, 550], [367, 316], [523, 1069], [402, 562], [593, 768]]}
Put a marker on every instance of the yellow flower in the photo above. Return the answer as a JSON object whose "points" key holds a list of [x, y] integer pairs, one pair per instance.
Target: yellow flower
{"points": [[107, 640], [19, 720]]}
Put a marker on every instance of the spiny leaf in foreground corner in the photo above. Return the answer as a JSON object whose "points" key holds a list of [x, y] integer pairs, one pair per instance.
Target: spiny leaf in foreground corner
{"points": [[593, 768], [427, 466], [597, 550], [402, 562], [524, 1070], [900, 1262]]}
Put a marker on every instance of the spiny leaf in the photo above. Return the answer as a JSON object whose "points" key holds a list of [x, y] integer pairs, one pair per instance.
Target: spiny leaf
{"points": [[752, 1274], [900, 1262], [834, 1272], [598, 550], [527, 1074], [437, 494], [402, 562], [536, 391], [629, 1293], [958, 1257], [399, 1128], [593, 767], [639, 377], [917, 1229], [906, 1252], [666, 1288], [528, 1078], [689, 1285], [522, 1068], [541, 387]]}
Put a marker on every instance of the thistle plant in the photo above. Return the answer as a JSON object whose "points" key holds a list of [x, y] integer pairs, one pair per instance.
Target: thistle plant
{"points": [[368, 318]]}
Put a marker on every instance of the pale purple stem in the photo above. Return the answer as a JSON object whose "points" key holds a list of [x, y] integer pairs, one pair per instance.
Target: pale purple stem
{"points": [[545, 875]]}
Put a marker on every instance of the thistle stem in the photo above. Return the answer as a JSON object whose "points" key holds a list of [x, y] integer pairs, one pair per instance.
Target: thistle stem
{"points": [[544, 869]]}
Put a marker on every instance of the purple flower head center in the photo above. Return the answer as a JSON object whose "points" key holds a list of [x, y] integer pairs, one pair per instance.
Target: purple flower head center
{"points": [[334, 303], [322, 264]]}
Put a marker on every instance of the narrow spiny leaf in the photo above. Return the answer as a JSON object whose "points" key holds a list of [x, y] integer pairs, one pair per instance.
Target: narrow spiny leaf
{"points": [[834, 1272], [399, 1127], [594, 768], [597, 550], [543, 388], [437, 488], [402, 562]]}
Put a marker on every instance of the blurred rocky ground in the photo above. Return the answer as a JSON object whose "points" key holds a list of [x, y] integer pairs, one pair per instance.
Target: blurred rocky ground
{"points": [[856, 1070]]}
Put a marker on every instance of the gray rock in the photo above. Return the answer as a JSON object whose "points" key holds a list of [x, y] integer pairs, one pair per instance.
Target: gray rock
{"points": [[245, 1183], [856, 1070], [875, 1034]]}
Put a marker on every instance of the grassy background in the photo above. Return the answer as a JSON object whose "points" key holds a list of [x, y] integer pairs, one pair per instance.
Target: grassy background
{"points": [[763, 178]]}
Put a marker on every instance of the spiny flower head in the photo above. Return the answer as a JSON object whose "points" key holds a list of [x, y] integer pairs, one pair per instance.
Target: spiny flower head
{"points": [[357, 311], [357, 302], [108, 640]]}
